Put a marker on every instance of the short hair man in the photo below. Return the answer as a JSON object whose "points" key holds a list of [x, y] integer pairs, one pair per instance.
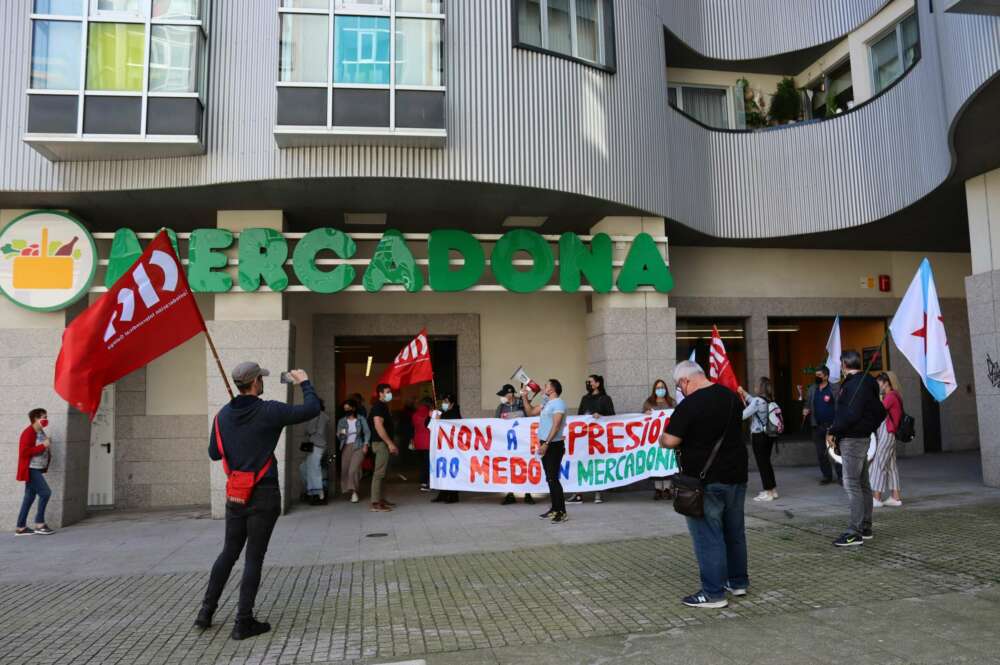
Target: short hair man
{"points": [[383, 445], [552, 446], [711, 413], [819, 407], [249, 428], [859, 414], [33, 457]]}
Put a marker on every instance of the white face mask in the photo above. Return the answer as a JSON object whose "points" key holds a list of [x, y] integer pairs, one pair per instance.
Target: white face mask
{"points": [[445, 406], [387, 397]]}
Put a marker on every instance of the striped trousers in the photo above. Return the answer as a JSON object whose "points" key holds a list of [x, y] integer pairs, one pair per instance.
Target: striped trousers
{"points": [[883, 472]]}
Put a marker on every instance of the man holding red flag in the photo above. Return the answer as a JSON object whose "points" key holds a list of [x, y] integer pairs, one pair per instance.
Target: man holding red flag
{"points": [[149, 311]]}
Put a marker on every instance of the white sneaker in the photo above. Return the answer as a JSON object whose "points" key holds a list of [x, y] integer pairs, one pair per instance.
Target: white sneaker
{"points": [[354, 497], [774, 494], [764, 496], [876, 503], [892, 502], [598, 499]]}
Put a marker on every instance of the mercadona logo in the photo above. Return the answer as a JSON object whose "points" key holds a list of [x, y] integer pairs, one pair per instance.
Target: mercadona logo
{"points": [[47, 260]]}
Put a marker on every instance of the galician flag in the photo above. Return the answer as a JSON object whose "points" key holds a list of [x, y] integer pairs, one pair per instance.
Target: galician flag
{"points": [[833, 352], [918, 330]]}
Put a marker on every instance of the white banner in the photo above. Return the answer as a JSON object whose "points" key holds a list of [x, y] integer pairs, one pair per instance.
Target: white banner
{"points": [[496, 455]]}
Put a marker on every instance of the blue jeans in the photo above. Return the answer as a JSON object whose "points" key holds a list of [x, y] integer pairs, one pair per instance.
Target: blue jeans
{"points": [[34, 486], [312, 472], [720, 540]]}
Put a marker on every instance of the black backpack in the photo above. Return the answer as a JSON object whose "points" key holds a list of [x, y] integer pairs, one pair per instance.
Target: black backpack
{"points": [[907, 429]]}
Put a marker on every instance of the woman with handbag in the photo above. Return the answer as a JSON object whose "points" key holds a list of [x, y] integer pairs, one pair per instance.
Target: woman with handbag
{"points": [[311, 468], [883, 471], [354, 437]]}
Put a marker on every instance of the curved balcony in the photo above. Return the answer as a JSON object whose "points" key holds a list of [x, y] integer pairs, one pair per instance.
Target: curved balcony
{"points": [[726, 30]]}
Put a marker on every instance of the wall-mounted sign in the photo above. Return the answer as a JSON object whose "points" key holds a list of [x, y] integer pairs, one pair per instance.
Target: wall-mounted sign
{"points": [[47, 260], [264, 259]]}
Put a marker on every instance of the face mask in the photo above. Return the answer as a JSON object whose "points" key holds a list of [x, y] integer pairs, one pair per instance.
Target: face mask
{"points": [[661, 392], [44, 422], [589, 387], [387, 397], [819, 380], [445, 406], [349, 411]]}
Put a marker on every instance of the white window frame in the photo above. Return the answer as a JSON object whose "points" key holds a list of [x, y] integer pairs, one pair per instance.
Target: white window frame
{"points": [[93, 15], [730, 107], [601, 27], [897, 31], [337, 8]]}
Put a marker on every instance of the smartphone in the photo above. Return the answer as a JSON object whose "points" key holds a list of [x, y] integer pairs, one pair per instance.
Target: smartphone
{"points": [[286, 377]]}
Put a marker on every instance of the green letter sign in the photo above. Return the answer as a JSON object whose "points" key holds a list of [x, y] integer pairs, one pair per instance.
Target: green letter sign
{"points": [[392, 263], [203, 260], [125, 251], [439, 248], [502, 261], [575, 259], [304, 260], [645, 267], [262, 258]]}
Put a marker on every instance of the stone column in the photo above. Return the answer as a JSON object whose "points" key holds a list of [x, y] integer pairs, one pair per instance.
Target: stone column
{"points": [[251, 326], [758, 350], [632, 337], [982, 290]]}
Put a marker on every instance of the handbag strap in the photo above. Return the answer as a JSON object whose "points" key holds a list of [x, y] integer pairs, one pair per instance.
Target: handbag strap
{"points": [[225, 464], [718, 444]]}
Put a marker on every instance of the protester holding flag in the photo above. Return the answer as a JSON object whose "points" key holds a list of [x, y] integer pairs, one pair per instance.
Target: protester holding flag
{"points": [[595, 402], [244, 436], [383, 445], [659, 400], [819, 409], [859, 413], [884, 474], [552, 446]]}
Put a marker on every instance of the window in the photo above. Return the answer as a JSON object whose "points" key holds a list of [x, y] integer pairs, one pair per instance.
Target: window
{"points": [[360, 64], [894, 53], [134, 55], [709, 106], [579, 29]]}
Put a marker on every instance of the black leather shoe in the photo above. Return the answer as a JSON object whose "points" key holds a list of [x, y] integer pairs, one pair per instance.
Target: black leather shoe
{"points": [[507, 500], [204, 619], [249, 628], [528, 500]]}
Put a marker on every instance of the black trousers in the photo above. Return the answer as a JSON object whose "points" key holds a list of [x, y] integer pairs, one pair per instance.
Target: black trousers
{"points": [[825, 463], [551, 461], [424, 459], [249, 525], [762, 446]]}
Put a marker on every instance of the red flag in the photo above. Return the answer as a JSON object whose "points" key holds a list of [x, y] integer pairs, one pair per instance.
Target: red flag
{"points": [[720, 371], [149, 311], [412, 364]]}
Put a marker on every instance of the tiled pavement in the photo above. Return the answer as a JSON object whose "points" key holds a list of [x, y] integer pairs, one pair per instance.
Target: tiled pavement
{"points": [[931, 574]]}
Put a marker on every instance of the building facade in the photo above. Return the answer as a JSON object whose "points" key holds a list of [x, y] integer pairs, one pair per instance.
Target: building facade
{"points": [[571, 186]]}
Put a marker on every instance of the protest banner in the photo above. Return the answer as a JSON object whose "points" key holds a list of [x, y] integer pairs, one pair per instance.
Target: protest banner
{"points": [[496, 455]]}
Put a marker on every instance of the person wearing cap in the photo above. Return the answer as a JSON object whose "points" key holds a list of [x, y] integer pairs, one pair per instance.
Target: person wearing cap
{"points": [[510, 408], [249, 428]]}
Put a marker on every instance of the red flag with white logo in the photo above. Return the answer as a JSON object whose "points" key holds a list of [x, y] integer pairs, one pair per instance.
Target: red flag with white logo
{"points": [[412, 364], [149, 311], [720, 371]]}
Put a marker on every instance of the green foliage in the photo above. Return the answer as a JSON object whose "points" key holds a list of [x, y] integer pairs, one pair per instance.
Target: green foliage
{"points": [[787, 104]]}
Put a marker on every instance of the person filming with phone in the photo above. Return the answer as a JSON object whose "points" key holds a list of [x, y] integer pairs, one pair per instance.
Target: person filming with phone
{"points": [[244, 435]]}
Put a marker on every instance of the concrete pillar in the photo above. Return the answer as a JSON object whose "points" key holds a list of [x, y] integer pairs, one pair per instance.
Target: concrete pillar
{"points": [[758, 350], [29, 344], [982, 290], [251, 326], [632, 337]]}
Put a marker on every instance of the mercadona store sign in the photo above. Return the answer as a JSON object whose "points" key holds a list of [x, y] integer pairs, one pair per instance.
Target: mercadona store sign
{"points": [[49, 260]]}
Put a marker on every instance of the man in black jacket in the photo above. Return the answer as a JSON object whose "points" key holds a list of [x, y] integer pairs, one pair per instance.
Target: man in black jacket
{"points": [[250, 428], [859, 414]]}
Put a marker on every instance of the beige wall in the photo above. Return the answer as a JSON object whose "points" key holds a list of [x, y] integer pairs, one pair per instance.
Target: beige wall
{"points": [[761, 273], [546, 332]]}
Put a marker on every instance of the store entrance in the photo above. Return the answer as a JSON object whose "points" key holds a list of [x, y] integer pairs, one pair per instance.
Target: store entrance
{"points": [[360, 361]]}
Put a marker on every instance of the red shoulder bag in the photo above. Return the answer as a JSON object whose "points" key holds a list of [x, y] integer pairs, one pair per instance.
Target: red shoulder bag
{"points": [[239, 484]]}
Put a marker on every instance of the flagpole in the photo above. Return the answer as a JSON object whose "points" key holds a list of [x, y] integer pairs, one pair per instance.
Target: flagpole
{"points": [[218, 362]]}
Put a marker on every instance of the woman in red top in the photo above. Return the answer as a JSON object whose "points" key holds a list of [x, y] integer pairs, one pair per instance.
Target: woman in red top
{"points": [[32, 462], [422, 440], [883, 472]]}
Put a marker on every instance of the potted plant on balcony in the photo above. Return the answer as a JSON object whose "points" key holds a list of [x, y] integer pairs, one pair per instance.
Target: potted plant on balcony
{"points": [[754, 106], [786, 105]]}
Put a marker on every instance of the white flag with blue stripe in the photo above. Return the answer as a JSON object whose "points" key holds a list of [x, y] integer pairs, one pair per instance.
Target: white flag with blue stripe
{"points": [[918, 331], [833, 352]]}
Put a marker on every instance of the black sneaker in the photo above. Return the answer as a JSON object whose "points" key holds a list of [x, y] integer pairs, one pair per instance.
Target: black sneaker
{"points": [[43, 530], [867, 534], [547, 515], [826, 481], [559, 518], [507, 500], [249, 628], [701, 600], [528, 500], [848, 540], [576, 498], [204, 618], [24, 532]]}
